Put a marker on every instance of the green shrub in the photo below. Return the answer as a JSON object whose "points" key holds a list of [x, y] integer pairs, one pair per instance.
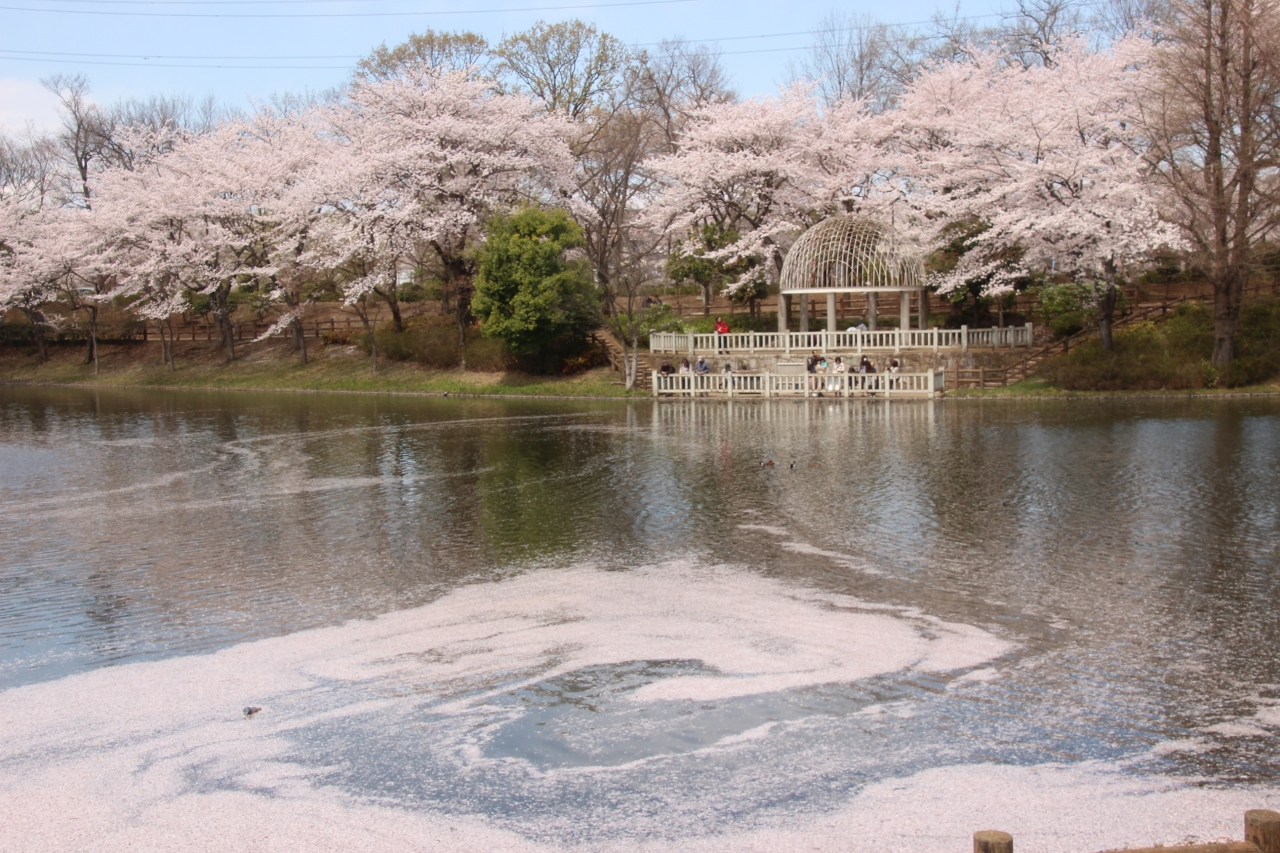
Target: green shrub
{"points": [[17, 334], [415, 291], [529, 292], [1140, 361], [1189, 332], [1257, 345], [433, 342], [1174, 354], [1067, 323]]}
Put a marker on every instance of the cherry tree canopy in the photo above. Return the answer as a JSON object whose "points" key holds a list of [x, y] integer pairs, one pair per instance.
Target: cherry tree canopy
{"points": [[1044, 158], [419, 161]]}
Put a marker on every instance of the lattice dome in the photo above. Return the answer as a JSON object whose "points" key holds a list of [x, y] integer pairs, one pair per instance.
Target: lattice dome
{"points": [[851, 253]]}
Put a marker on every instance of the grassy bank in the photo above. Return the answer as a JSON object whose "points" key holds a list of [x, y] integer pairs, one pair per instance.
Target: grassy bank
{"points": [[273, 367], [1039, 388], [1162, 358]]}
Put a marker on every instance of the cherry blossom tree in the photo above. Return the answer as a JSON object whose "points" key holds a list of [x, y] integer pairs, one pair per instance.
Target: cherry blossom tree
{"points": [[746, 168], [420, 160], [28, 175], [764, 170], [1043, 157]]}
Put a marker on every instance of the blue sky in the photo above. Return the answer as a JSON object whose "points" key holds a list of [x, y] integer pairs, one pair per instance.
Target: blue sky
{"points": [[132, 48]]}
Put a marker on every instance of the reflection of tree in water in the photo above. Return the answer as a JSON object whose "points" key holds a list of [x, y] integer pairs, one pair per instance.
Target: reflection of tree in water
{"points": [[540, 490]]}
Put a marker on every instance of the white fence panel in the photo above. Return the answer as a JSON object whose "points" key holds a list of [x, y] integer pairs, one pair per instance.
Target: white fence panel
{"points": [[925, 384], [890, 340]]}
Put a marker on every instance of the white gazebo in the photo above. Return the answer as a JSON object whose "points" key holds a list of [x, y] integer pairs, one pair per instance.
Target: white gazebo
{"points": [[852, 254]]}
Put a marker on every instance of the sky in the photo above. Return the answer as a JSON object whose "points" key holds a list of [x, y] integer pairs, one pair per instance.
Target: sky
{"points": [[242, 51]]}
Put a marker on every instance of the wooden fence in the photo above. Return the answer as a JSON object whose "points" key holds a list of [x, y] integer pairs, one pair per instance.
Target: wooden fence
{"points": [[1261, 835], [252, 330]]}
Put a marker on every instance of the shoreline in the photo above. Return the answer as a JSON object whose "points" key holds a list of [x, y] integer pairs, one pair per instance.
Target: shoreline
{"points": [[963, 395], [341, 371], [471, 395]]}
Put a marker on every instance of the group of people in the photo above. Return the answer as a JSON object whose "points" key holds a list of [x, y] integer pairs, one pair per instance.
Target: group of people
{"points": [[818, 363], [700, 367]]}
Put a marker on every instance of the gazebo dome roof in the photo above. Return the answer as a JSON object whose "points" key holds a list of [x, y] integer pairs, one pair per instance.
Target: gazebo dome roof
{"points": [[851, 253]]}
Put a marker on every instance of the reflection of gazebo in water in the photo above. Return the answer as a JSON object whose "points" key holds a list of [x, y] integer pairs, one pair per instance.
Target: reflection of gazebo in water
{"points": [[851, 254]]}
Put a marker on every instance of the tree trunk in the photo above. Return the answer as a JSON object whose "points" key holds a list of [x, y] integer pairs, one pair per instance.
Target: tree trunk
{"points": [[462, 315], [393, 302], [1106, 302], [462, 341], [299, 338], [91, 350], [165, 356], [221, 299], [632, 366], [1227, 293], [373, 341]]}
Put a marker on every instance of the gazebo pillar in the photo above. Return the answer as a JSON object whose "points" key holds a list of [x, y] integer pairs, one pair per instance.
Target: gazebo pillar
{"points": [[831, 312], [872, 311], [924, 308], [804, 312], [904, 310], [784, 313]]}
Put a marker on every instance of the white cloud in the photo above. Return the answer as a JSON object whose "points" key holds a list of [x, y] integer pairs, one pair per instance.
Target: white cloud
{"points": [[26, 102]]}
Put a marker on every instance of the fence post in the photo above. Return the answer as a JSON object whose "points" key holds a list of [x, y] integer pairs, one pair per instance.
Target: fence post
{"points": [[992, 841], [964, 338], [1262, 827], [982, 377]]}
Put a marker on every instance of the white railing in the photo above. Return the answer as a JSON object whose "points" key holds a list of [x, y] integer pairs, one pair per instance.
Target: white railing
{"points": [[925, 384], [892, 340]]}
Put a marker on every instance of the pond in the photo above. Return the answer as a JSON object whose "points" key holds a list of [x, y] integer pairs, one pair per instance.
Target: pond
{"points": [[678, 625]]}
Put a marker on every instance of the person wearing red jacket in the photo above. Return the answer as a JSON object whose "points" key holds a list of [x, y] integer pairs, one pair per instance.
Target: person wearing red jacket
{"points": [[722, 328]]}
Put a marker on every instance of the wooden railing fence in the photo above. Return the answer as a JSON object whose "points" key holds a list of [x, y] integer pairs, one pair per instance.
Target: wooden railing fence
{"points": [[251, 330], [1261, 835]]}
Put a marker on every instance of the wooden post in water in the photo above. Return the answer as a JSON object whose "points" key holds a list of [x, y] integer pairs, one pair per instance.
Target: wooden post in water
{"points": [[1262, 827], [992, 841]]}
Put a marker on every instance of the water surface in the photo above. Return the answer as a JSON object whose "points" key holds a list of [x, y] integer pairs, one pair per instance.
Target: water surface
{"points": [[1081, 582]]}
